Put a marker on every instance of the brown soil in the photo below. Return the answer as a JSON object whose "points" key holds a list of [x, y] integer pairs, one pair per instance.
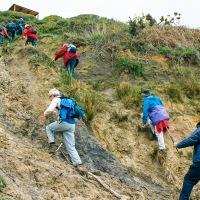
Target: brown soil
{"points": [[125, 157]]}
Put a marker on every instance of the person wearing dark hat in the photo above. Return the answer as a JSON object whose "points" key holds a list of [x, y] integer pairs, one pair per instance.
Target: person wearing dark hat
{"points": [[153, 109], [193, 175]]}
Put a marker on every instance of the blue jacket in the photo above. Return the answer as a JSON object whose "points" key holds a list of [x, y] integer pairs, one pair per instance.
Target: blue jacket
{"points": [[194, 139], [154, 109]]}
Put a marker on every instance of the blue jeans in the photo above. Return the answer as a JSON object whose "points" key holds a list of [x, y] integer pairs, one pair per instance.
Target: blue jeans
{"points": [[11, 34], [32, 40], [1, 39], [68, 134], [72, 64], [190, 180]]}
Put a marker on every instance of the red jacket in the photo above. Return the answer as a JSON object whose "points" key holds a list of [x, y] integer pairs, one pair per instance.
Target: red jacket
{"points": [[67, 55], [27, 33], [4, 32]]}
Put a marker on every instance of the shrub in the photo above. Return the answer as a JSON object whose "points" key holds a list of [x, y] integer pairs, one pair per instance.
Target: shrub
{"points": [[126, 64], [174, 92], [92, 104], [165, 50], [188, 81], [123, 90], [129, 95]]}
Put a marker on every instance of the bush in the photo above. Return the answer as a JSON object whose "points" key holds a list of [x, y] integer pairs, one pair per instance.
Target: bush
{"points": [[126, 64], [130, 96], [123, 90], [166, 51], [174, 92]]}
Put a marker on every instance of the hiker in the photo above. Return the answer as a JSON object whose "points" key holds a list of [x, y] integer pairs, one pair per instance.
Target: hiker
{"points": [[153, 109], [31, 34], [2, 33], [67, 126], [19, 29], [70, 57], [22, 23], [193, 175], [11, 30]]}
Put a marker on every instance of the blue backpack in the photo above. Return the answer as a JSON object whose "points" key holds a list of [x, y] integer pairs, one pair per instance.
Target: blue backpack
{"points": [[10, 25], [1, 28], [70, 109]]}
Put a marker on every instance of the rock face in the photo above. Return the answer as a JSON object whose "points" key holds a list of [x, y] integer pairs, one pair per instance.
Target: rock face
{"points": [[124, 157]]}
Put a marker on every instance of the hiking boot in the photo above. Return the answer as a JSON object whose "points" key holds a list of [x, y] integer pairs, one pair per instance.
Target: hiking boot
{"points": [[78, 165], [52, 149], [163, 151]]}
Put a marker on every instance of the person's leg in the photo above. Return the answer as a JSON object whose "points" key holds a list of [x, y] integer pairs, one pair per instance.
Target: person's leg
{"points": [[10, 36], [13, 34], [191, 178], [51, 129], [34, 42], [161, 142], [1, 39], [151, 126], [72, 63], [66, 67], [29, 39], [70, 144]]}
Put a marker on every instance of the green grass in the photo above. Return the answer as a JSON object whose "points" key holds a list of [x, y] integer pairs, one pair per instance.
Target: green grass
{"points": [[130, 66], [2, 183]]}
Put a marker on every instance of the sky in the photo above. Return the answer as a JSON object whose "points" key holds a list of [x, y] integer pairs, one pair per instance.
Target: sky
{"points": [[119, 10]]}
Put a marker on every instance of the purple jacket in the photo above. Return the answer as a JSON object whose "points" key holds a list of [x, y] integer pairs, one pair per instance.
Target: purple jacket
{"points": [[157, 114], [154, 109]]}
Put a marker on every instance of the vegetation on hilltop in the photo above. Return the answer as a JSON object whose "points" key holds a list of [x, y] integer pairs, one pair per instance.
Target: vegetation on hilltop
{"points": [[110, 42], [115, 66]]}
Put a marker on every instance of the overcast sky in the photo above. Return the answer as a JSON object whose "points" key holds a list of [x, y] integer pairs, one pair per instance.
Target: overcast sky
{"points": [[119, 10]]}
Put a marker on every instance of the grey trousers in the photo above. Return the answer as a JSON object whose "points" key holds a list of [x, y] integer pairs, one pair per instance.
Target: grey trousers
{"points": [[69, 140]]}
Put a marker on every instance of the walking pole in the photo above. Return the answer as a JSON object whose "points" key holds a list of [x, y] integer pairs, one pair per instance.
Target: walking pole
{"points": [[171, 137]]}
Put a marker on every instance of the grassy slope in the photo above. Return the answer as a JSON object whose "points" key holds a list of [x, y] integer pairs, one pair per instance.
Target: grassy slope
{"points": [[177, 85]]}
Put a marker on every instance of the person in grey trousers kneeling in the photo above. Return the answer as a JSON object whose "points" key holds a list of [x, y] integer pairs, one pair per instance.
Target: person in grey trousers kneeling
{"points": [[67, 127]]}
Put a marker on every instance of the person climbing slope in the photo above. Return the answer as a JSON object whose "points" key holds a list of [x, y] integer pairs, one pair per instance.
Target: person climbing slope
{"points": [[3, 32], [67, 126], [153, 109], [68, 51], [31, 34]]}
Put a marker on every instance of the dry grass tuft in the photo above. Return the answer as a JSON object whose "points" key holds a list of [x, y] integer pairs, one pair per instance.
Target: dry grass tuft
{"points": [[171, 36], [158, 156]]}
